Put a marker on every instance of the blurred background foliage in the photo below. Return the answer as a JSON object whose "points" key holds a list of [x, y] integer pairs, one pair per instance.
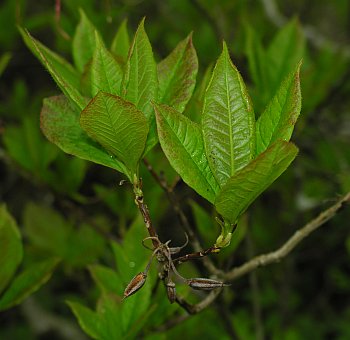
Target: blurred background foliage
{"points": [[75, 213]]}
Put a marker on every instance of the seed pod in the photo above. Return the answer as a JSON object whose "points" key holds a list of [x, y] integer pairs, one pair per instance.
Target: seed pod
{"points": [[135, 284], [171, 291], [205, 284]]}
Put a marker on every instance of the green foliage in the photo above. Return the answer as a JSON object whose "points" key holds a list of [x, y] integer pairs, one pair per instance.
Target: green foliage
{"points": [[27, 282], [118, 126], [243, 188], [70, 209], [228, 121], [11, 245]]}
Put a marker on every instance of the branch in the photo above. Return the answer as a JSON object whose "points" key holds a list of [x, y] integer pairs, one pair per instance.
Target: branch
{"points": [[285, 249], [198, 307]]}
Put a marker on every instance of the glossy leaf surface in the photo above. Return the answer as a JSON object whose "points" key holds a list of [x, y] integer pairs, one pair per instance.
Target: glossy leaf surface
{"points": [[228, 121], [83, 45], [61, 71], [248, 183], [106, 73], [60, 124], [118, 126], [280, 116], [182, 143], [177, 75], [140, 83]]}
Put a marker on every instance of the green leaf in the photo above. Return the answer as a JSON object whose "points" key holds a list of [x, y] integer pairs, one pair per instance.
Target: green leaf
{"points": [[110, 312], [140, 83], [61, 71], [256, 58], [121, 42], [26, 283], [118, 126], [83, 45], [106, 74], [248, 183], [284, 52], [89, 321], [280, 116], [182, 143], [60, 124], [4, 60], [177, 75], [228, 121], [107, 280], [11, 247]]}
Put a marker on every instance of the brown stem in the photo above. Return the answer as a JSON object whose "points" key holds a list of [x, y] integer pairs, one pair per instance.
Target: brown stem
{"points": [[286, 248], [183, 220], [198, 307], [147, 219]]}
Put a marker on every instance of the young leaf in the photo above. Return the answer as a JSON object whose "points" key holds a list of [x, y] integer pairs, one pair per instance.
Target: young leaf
{"points": [[228, 121], [182, 143], [177, 75], [83, 45], [280, 116], [11, 247], [121, 42], [26, 283], [284, 52], [106, 74], [118, 126], [60, 123], [249, 182], [61, 71], [89, 321], [140, 83]]}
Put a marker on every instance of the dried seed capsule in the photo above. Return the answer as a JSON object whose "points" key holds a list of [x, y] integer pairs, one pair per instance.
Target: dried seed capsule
{"points": [[171, 291], [135, 284], [205, 284]]}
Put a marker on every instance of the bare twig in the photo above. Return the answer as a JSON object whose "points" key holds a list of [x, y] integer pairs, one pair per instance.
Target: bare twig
{"points": [[286, 248], [198, 307]]}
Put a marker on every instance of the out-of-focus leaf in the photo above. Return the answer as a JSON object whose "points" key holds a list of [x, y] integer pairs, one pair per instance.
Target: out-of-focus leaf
{"points": [[284, 52], [280, 116], [182, 143], [27, 282], [10, 247], [118, 126], [27, 147], [121, 42], [256, 58], [83, 46], [51, 233], [60, 124], [228, 121], [61, 71], [107, 279], [4, 60], [89, 321], [177, 75], [249, 182], [106, 74], [140, 83]]}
